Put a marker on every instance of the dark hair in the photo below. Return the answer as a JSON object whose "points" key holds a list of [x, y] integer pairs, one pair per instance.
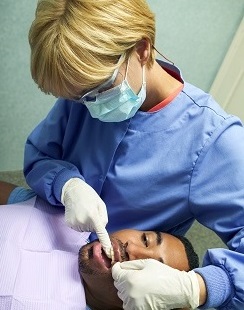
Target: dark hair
{"points": [[193, 259]]}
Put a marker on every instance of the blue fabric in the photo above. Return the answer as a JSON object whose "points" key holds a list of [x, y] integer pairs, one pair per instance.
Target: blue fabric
{"points": [[20, 194], [158, 170], [217, 295]]}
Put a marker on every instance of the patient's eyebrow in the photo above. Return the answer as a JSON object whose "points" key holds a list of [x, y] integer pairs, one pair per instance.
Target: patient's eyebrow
{"points": [[158, 237], [159, 240]]}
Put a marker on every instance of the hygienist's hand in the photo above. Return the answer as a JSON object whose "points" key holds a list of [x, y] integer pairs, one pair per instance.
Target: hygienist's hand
{"points": [[85, 210], [148, 284]]}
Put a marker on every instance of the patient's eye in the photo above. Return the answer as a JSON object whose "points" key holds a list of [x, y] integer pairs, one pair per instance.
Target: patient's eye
{"points": [[145, 239]]}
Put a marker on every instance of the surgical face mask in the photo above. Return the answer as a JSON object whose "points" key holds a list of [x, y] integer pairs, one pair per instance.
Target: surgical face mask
{"points": [[118, 103]]}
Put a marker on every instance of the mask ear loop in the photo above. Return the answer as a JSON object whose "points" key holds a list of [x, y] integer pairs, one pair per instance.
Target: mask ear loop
{"points": [[127, 68], [143, 72], [162, 55], [143, 75]]}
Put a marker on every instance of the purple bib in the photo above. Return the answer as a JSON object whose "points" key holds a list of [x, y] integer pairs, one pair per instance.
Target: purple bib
{"points": [[39, 258]]}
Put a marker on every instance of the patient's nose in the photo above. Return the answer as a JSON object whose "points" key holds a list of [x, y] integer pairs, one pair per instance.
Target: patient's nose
{"points": [[137, 252]]}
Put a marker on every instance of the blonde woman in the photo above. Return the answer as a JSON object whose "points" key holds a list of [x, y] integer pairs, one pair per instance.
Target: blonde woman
{"points": [[130, 141]]}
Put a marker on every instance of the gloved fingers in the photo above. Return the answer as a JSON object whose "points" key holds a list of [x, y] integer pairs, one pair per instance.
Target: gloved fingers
{"points": [[138, 264], [149, 284], [104, 239], [124, 285], [121, 271], [102, 212], [117, 272], [127, 304]]}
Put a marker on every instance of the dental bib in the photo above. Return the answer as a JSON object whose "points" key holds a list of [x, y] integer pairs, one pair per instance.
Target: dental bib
{"points": [[39, 259]]}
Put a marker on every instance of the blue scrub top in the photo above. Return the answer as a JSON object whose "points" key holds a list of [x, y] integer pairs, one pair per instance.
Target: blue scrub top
{"points": [[156, 171]]}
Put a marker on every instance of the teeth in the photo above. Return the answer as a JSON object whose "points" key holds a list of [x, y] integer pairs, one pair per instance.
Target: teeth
{"points": [[106, 259], [112, 256]]}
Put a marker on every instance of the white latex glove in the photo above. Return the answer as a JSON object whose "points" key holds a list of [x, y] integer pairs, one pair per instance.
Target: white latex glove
{"points": [[85, 211], [148, 284]]}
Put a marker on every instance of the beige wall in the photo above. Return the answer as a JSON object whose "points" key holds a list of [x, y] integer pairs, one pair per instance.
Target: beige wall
{"points": [[228, 86]]}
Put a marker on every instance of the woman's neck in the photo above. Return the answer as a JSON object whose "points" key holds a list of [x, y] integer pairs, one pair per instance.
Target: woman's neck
{"points": [[160, 85]]}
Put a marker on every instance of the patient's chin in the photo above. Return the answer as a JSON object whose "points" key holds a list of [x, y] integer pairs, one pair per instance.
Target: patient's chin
{"points": [[101, 297]]}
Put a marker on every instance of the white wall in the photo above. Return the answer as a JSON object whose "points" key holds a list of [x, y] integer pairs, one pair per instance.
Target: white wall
{"points": [[228, 86]]}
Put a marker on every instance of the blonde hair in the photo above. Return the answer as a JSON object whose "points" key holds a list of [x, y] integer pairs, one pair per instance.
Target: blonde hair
{"points": [[76, 44]]}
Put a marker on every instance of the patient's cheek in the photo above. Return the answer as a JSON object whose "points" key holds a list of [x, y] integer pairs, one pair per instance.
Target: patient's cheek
{"points": [[139, 252]]}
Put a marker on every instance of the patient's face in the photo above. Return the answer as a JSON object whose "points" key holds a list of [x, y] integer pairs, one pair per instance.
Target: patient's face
{"points": [[95, 267]]}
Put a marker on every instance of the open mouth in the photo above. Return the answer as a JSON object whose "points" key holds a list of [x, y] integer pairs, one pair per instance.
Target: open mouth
{"points": [[100, 258], [107, 261]]}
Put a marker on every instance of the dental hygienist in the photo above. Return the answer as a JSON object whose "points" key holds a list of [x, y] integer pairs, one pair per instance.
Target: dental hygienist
{"points": [[129, 140]]}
